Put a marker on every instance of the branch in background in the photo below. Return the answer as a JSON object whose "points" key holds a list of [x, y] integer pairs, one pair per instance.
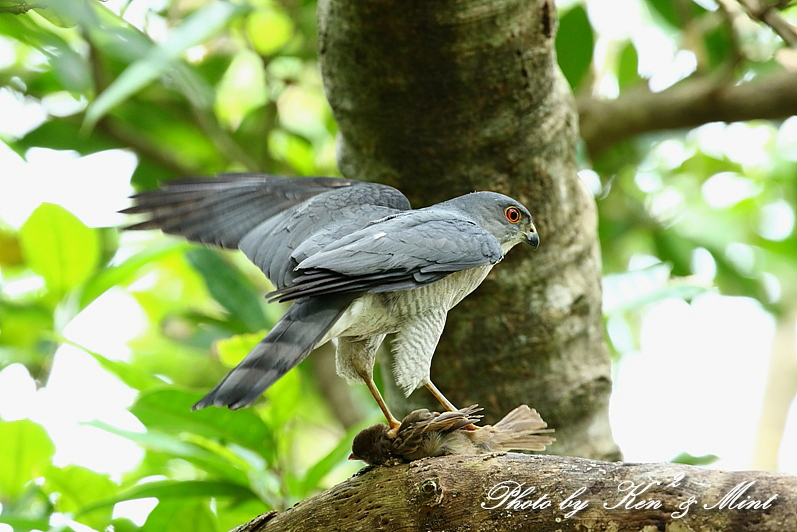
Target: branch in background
{"points": [[690, 103], [769, 15], [464, 493]]}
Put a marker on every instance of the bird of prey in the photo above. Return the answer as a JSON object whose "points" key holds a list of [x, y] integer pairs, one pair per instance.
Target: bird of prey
{"points": [[423, 434], [356, 260]]}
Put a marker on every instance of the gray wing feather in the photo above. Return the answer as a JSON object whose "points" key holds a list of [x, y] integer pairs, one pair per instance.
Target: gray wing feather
{"points": [[267, 217], [220, 211], [399, 252], [311, 226]]}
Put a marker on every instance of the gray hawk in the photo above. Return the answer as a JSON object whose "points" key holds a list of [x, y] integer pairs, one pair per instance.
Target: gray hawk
{"points": [[356, 260]]}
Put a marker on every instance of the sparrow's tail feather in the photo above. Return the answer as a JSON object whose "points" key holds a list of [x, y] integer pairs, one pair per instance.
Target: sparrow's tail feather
{"points": [[288, 343], [521, 430]]}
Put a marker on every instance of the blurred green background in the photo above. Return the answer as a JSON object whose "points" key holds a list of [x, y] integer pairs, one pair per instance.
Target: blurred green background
{"points": [[106, 339]]}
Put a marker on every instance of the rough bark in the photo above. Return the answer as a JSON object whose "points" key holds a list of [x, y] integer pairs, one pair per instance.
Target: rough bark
{"points": [[458, 493], [442, 98]]}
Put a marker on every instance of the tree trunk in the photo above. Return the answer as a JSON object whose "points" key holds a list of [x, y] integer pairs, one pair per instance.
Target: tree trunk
{"points": [[509, 492], [443, 98]]}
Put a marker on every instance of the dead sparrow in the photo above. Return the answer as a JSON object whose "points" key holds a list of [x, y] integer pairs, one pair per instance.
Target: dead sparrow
{"points": [[423, 433]]}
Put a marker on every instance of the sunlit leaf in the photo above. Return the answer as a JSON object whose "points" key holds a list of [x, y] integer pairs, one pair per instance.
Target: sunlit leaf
{"points": [[24, 325], [20, 524], [171, 489], [76, 488], [27, 449], [125, 271], [223, 463], [242, 89], [169, 516], [268, 30], [57, 246], [130, 374]]}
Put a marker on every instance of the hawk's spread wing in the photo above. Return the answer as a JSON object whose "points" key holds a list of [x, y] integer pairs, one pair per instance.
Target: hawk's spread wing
{"points": [[399, 252], [267, 217]]}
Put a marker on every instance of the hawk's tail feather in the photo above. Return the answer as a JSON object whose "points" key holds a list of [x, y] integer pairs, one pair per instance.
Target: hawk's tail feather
{"points": [[293, 337]]}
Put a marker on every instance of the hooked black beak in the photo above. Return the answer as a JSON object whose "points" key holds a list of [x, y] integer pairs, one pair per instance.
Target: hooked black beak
{"points": [[533, 239]]}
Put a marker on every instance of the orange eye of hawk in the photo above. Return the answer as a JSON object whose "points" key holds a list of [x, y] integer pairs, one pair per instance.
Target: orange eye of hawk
{"points": [[512, 214]]}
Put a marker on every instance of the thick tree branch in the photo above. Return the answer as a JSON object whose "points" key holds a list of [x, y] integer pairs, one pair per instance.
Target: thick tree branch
{"points": [[688, 104], [458, 493]]}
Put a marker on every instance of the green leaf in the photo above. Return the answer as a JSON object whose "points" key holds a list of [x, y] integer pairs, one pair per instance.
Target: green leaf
{"points": [[229, 287], [63, 134], [688, 459], [233, 349], [268, 30], [719, 45], [169, 516], [224, 463], [337, 455], [574, 45], [195, 29], [69, 67], [170, 411], [130, 374], [21, 523], [127, 269], [78, 488], [667, 10], [57, 246], [628, 66], [24, 325], [174, 489], [27, 449]]}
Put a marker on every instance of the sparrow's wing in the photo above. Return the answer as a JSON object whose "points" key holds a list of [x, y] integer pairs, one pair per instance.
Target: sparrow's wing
{"points": [[399, 252], [420, 425], [267, 217]]}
